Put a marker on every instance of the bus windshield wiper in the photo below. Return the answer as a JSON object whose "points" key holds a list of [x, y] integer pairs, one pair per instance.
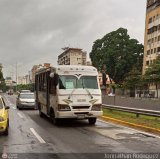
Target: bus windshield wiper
{"points": [[87, 91], [69, 97]]}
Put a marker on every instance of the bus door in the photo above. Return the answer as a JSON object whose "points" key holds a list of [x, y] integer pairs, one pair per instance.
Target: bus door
{"points": [[48, 91]]}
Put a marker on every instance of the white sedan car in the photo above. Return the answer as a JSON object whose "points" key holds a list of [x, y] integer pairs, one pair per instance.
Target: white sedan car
{"points": [[26, 100]]}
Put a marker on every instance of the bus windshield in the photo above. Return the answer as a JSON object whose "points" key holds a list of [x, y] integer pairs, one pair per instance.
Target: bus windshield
{"points": [[72, 82]]}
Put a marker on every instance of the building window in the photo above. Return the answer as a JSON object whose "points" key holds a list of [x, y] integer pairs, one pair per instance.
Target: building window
{"points": [[147, 63], [152, 40], [150, 20], [155, 49], [148, 52], [155, 39], [158, 49]]}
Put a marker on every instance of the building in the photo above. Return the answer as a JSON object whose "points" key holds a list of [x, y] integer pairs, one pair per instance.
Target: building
{"points": [[152, 33], [9, 81], [152, 39], [35, 68], [23, 79], [72, 56]]}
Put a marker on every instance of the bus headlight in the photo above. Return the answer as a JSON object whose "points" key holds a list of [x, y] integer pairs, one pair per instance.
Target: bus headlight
{"points": [[97, 107], [63, 107]]}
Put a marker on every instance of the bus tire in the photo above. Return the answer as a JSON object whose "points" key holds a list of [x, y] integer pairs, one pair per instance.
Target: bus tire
{"points": [[54, 120], [40, 112], [92, 121]]}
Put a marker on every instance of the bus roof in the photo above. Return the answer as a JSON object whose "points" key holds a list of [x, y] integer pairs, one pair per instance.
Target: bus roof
{"points": [[71, 68], [76, 68]]}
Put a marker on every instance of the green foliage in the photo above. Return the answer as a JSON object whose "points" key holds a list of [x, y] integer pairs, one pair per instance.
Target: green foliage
{"points": [[133, 79], [152, 74], [25, 87], [118, 53], [2, 81]]}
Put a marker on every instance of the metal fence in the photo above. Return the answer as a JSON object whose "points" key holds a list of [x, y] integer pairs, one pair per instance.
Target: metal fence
{"points": [[133, 110]]}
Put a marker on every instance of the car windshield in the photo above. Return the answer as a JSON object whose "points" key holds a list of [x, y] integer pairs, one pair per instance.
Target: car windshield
{"points": [[27, 96], [72, 82], [1, 104]]}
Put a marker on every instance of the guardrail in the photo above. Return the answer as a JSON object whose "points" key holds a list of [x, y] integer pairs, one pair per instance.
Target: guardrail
{"points": [[133, 110]]}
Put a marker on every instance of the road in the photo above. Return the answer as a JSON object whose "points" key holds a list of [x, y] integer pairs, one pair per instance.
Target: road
{"points": [[33, 137]]}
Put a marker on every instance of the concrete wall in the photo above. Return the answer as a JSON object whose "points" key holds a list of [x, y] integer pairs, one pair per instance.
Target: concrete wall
{"points": [[144, 103]]}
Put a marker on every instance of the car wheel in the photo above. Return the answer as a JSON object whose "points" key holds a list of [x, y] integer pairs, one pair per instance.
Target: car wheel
{"points": [[6, 131], [8, 122], [92, 121]]}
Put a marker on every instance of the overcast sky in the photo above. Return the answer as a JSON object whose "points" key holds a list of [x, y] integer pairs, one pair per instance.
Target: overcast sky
{"points": [[34, 31]]}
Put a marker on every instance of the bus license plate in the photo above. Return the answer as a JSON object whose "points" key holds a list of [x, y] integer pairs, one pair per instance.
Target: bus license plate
{"points": [[80, 116]]}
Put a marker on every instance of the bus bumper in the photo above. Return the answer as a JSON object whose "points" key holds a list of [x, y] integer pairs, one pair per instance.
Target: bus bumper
{"points": [[79, 114]]}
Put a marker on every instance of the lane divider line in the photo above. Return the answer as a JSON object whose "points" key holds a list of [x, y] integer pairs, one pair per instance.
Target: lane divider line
{"points": [[37, 136], [20, 115], [7, 100]]}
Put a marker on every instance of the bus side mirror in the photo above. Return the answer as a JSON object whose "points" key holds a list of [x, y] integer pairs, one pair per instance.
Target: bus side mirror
{"points": [[7, 107], [51, 75]]}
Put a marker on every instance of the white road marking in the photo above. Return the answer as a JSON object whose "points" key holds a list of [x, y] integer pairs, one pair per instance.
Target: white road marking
{"points": [[37, 136], [146, 133], [20, 115], [7, 100], [4, 154]]}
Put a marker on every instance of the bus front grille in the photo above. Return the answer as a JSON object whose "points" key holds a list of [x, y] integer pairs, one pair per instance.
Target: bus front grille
{"points": [[80, 107]]}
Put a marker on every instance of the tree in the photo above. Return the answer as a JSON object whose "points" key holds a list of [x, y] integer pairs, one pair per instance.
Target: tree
{"points": [[2, 81], [118, 53], [133, 81], [25, 86], [152, 74]]}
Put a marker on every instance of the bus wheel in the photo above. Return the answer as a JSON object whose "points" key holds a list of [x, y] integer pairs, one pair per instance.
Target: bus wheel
{"points": [[92, 121], [40, 113], [54, 120]]}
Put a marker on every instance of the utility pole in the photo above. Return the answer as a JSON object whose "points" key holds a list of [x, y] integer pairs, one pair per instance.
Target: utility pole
{"points": [[16, 76]]}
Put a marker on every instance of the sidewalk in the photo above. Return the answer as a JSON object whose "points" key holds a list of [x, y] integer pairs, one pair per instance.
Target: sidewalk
{"points": [[140, 127]]}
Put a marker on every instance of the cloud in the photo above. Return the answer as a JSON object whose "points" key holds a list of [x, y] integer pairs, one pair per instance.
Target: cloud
{"points": [[34, 31]]}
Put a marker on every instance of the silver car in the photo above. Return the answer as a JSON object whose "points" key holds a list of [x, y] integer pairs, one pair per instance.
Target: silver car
{"points": [[26, 100]]}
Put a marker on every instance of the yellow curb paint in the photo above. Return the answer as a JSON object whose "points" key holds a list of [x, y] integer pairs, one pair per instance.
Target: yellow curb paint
{"points": [[145, 128]]}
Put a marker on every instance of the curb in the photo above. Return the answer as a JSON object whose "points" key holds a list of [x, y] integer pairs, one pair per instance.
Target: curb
{"points": [[136, 126]]}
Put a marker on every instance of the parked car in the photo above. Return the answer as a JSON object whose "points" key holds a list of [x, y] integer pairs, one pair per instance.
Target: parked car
{"points": [[26, 100], [4, 117]]}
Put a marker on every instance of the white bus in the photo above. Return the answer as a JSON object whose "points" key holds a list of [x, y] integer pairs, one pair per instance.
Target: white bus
{"points": [[68, 91]]}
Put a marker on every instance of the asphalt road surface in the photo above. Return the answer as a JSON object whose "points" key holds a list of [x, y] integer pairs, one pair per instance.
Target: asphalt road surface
{"points": [[33, 137]]}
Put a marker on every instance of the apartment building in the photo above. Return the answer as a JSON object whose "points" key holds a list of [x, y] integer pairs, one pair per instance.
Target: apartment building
{"points": [[72, 56], [23, 79], [35, 68], [152, 33]]}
